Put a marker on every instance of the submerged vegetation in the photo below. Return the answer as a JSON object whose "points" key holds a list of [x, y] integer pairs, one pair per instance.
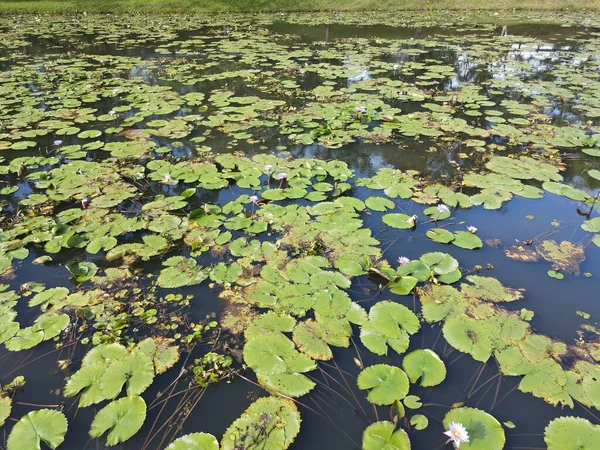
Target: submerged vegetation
{"points": [[193, 203]]}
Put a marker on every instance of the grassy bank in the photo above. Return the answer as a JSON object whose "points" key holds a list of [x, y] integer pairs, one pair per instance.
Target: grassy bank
{"points": [[62, 6]]}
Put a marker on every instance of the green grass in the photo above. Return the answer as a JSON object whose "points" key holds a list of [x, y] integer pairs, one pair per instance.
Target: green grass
{"points": [[54, 6]]}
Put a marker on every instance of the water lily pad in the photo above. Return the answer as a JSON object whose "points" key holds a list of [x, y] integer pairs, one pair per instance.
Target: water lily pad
{"points": [[389, 324], [135, 369], [571, 433], [397, 220], [382, 435], [466, 239], [121, 418], [44, 425], [194, 441], [386, 383], [379, 203], [181, 271], [5, 409], [82, 271], [424, 364], [485, 432], [282, 420], [489, 289], [419, 421], [440, 235]]}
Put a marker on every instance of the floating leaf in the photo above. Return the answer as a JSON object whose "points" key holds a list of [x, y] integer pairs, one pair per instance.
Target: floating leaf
{"points": [[44, 425], [195, 441], [401, 221], [466, 239], [485, 432], [121, 418], [389, 324], [135, 369], [440, 235], [381, 435], [82, 271], [5, 409], [424, 364], [281, 418], [419, 421], [386, 383], [571, 433], [379, 203], [179, 272]]}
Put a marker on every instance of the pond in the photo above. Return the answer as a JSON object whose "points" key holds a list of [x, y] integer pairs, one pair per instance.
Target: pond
{"points": [[304, 231]]}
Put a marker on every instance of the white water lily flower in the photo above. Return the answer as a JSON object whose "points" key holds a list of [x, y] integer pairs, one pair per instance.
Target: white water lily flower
{"points": [[282, 176], [443, 208], [457, 434], [268, 168], [253, 199], [472, 229]]}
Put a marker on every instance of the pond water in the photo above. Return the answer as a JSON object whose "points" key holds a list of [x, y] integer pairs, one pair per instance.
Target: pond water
{"points": [[253, 189]]}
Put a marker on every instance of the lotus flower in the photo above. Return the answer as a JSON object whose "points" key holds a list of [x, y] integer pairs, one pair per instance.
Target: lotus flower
{"points": [[442, 208], [403, 260], [457, 434], [472, 229]]}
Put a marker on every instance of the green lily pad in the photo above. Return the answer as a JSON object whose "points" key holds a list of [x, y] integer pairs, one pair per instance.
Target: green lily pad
{"points": [[121, 418], [82, 271], [382, 435], [466, 239], [283, 424], [485, 432], [44, 425], [571, 433], [194, 441], [424, 364], [440, 235], [419, 421], [386, 383], [396, 220], [135, 369]]}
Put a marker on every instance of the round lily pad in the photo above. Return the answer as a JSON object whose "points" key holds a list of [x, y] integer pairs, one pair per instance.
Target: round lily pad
{"points": [[386, 383], [485, 432]]}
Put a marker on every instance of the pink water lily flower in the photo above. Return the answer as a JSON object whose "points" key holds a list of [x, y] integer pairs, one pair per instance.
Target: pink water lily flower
{"points": [[442, 208], [282, 176], [57, 142], [253, 199], [403, 260], [457, 434]]}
